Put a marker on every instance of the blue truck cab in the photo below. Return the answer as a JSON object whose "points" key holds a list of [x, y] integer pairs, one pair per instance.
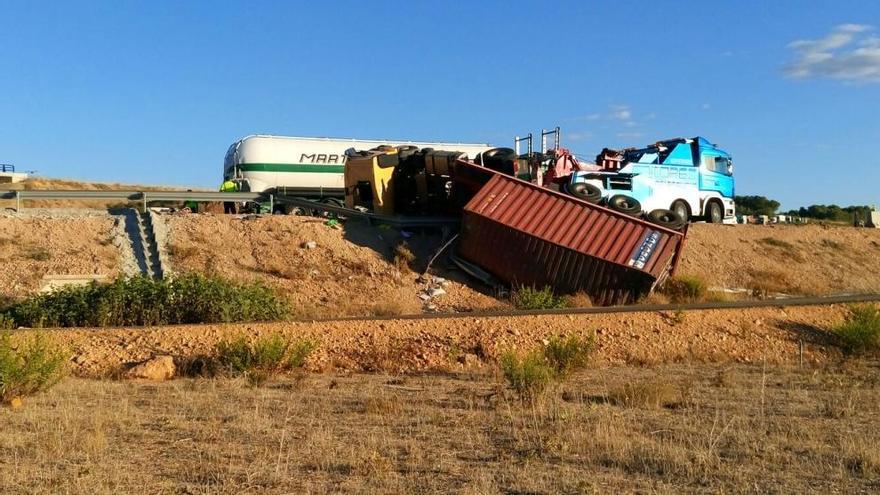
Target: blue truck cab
{"points": [[691, 177]]}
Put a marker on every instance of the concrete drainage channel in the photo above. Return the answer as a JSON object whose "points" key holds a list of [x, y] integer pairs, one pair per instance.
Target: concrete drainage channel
{"points": [[140, 236]]}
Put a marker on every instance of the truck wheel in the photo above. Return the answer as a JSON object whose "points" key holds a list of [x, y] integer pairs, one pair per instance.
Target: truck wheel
{"points": [[625, 204], [584, 191], [667, 218], [298, 210], [682, 209], [714, 212], [500, 160]]}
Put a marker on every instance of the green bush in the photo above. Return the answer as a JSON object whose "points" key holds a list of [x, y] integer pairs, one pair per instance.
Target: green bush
{"points": [[860, 332], [6, 322], [529, 374], [263, 358], [138, 301], [685, 289], [531, 298], [32, 367], [567, 354]]}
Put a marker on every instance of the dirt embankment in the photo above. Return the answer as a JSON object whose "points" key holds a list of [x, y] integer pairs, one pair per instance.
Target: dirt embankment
{"points": [[351, 272], [808, 259], [751, 335], [348, 271], [351, 269], [31, 247]]}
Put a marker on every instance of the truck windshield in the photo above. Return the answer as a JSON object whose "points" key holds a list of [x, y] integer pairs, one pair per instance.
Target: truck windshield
{"points": [[719, 164]]}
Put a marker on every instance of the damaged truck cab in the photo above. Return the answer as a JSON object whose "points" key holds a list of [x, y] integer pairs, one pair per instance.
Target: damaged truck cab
{"points": [[691, 177]]}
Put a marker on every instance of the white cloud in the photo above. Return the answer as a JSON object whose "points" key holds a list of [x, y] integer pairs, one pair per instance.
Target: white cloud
{"points": [[847, 53], [629, 135], [578, 135], [620, 112]]}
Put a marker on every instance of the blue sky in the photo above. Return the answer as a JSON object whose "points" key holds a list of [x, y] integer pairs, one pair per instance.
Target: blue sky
{"points": [[154, 92]]}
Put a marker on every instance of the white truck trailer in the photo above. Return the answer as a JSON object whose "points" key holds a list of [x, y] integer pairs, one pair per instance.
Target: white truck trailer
{"points": [[304, 166]]}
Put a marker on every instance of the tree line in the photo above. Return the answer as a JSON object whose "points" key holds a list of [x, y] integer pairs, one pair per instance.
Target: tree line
{"points": [[761, 205]]}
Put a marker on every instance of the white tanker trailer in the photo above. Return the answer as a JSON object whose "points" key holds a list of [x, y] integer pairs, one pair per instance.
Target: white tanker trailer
{"points": [[308, 167]]}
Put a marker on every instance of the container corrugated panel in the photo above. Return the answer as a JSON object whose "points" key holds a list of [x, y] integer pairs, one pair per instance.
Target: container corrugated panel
{"points": [[528, 235]]}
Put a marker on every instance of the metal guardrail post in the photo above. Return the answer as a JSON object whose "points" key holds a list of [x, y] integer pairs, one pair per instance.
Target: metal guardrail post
{"points": [[271, 204], [18, 201], [144, 195]]}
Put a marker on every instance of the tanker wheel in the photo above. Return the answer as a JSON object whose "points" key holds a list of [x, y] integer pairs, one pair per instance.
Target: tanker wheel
{"points": [[584, 191], [667, 218], [714, 212], [331, 202], [625, 204], [298, 210], [682, 209]]}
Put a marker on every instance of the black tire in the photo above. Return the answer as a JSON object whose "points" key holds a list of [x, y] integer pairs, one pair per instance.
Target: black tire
{"points": [[331, 202], [298, 211], [666, 218], [714, 212], [625, 204], [499, 154], [499, 159], [584, 191], [682, 209]]}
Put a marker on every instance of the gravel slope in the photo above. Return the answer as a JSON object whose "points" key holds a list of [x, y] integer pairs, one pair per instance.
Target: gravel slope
{"points": [[751, 335], [808, 259], [32, 246]]}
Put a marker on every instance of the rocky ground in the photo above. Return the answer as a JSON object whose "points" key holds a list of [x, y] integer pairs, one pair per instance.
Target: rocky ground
{"points": [[401, 345], [793, 259], [324, 270], [79, 242]]}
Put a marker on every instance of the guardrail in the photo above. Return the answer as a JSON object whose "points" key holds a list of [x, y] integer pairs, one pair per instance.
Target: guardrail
{"points": [[396, 221], [144, 197]]}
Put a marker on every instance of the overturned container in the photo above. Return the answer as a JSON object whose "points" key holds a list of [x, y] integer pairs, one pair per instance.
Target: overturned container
{"points": [[528, 235]]}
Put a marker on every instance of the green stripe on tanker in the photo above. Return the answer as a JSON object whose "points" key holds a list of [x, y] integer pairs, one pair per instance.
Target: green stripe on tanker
{"points": [[292, 167]]}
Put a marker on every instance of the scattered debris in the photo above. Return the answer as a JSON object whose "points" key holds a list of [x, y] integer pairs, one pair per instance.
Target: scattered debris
{"points": [[309, 245]]}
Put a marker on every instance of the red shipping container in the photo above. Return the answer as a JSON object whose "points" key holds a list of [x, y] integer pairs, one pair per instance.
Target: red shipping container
{"points": [[528, 235]]}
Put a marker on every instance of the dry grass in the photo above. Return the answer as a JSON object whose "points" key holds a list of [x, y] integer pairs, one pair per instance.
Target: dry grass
{"points": [[651, 395], [448, 434], [403, 257], [833, 245], [783, 250], [37, 253], [685, 289], [181, 253], [393, 307], [577, 300], [765, 283]]}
